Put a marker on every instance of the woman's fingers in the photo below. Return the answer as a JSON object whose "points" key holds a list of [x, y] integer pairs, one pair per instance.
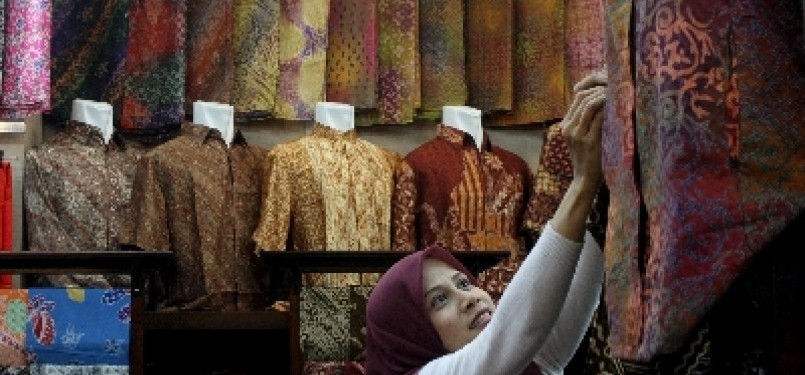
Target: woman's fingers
{"points": [[596, 78], [584, 107]]}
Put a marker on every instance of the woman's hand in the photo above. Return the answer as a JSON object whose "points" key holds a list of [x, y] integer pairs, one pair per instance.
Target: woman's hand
{"points": [[581, 129]]}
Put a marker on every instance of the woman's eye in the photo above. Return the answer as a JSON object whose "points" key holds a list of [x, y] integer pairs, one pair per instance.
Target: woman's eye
{"points": [[438, 300], [464, 283]]}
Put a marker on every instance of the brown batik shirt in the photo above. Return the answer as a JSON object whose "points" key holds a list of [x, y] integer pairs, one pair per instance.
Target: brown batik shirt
{"points": [[451, 193], [197, 197], [77, 191], [328, 190]]}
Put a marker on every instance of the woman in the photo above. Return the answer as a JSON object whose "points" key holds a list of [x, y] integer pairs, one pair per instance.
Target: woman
{"points": [[427, 315]]}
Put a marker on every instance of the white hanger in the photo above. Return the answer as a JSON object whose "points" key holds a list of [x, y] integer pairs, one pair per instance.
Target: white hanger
{"points": [[338, 116], [218, 116], [97, 114], [466, 119]]}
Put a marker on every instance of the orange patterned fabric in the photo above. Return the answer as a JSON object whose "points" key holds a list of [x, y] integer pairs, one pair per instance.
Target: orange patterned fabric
{"points": [[327, 191], [352, 53]]}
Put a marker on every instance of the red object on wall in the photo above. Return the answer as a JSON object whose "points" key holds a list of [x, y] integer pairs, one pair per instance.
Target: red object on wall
{"points": [[6, 223]]}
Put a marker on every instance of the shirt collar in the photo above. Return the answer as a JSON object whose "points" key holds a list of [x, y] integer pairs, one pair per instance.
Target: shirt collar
{"points": [[324, 131], [461, 139], [202, 134], [87, 134]]}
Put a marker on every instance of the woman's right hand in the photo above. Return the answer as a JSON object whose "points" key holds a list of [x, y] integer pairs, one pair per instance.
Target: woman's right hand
{"points": [[581, 128]]}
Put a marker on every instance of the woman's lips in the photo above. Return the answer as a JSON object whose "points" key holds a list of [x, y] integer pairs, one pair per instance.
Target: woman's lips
{"points": [[481, 319]]}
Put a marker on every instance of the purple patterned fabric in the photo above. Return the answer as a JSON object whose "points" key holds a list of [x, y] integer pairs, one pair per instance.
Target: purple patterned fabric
{"points": [[711, 169]]}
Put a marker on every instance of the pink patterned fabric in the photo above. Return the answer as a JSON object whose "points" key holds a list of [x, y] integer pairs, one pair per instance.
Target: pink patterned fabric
{"points": [[26, 60]]}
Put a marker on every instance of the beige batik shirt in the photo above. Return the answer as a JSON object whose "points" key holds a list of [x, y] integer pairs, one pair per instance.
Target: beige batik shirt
{"points": [[199, 198], [328, 190]]}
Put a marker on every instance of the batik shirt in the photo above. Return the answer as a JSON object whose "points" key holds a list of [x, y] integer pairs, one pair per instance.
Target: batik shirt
{"points": [[327, 190], [77, 191], [451, 193], [200, 199]]}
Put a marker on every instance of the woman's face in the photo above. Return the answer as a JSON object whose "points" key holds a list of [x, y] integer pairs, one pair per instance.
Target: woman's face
{"points": [[458, 309]]}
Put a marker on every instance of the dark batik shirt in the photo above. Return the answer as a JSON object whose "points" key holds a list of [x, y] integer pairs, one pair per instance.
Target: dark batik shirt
{"points": [[200, 199], [77, 191]]}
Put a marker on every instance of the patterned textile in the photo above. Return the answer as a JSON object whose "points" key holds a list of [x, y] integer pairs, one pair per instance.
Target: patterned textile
{"points": [[2, 39], [334, 368], [302, 57], [352, 53], [77, 192], [59, 333], [197, 197], [6, 216], [397, 24], [327, 191], [333, 322], [256, 55], [210, 58], [88, 48], [722, 169], [584, 41], [539, 61], [441, 46], [26, 64], [451, 193], [553, 177], [490, 42], [154, 70], [46, 331], [14, 313]]}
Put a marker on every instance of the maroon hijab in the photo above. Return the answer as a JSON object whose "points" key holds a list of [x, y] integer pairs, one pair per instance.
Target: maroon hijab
{"points": [[400, 338]]}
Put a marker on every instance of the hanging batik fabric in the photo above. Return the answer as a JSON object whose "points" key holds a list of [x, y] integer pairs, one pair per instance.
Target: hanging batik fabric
{"points": [[441, 47], [154, 70], [584, 40], [256, 56], [302, 57], [539, 62], [397, 23], [26, 60], [210, 58], [88, 48], [352, 53], [718, 150], [490, 27]]}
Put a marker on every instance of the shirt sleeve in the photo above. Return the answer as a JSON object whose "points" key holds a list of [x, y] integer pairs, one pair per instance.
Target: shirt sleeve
{"points": [[275, 215], [403, 210], [525, 316], [577, 311]]}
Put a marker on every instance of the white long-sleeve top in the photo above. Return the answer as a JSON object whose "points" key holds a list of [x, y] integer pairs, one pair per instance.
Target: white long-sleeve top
{"points": [[542, 315]]}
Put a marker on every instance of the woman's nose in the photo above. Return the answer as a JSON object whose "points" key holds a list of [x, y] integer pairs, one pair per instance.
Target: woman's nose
{"points": [[470, 300]]}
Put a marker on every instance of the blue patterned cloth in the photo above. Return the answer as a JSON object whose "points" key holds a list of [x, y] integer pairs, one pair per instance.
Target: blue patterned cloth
{"points": [[76, 326]]}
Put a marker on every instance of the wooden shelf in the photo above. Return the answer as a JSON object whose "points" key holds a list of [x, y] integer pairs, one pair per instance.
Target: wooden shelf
{"points": [[216, 320]]}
